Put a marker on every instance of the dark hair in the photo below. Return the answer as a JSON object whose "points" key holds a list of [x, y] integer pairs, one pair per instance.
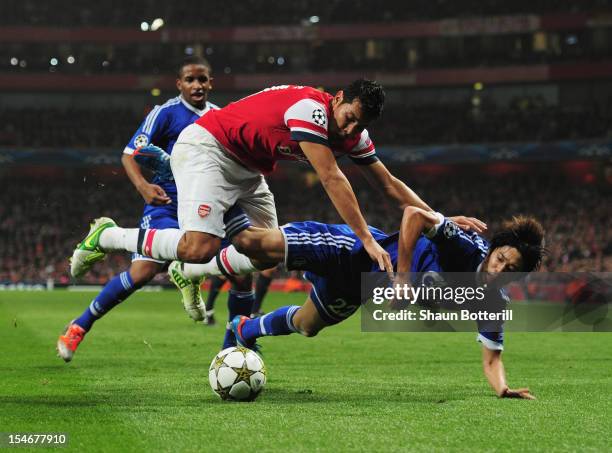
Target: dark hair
{"points": [[371, 95], [199, 61], [526, 235]]}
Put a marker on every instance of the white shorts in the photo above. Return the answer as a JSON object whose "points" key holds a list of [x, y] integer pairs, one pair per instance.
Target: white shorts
{"points": [[209, 182]]}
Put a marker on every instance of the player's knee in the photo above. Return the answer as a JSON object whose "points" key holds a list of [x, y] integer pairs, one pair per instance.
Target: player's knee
{"points": [[305, 327], [242, 282], [269, 273], [309, 331]]}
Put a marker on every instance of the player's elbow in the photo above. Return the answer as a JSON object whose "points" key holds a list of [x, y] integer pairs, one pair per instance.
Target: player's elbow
{"points": [[418, 218], [125, 158], [413, 213]]}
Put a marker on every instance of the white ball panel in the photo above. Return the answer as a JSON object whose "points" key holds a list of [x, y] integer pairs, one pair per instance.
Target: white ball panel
{"points": [[226, 351], [234, 359], [253, 361], [212, 378], [226, 376], [220, 355]]}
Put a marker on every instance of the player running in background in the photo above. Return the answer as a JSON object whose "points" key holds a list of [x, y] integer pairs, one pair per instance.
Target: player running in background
{"points": [[264, 279], [162, 127], [334, 259], [221, 160], [216, 283]]}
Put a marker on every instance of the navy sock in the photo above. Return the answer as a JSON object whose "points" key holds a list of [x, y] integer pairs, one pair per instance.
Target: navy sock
{"points": [[261, 289], [215, 286], [238, 303], [277, 322], [115, 292]]}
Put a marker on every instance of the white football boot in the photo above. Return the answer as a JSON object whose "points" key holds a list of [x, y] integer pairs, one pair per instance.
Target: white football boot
{"points": [[190, 291]]}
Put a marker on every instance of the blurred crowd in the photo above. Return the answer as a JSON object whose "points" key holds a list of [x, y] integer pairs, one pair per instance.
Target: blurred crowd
{"points": [[525, 119], [254, 12], [41, 220], [91, 128]]}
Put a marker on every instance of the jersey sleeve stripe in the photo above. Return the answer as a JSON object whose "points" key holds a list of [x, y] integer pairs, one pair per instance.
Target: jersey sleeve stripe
{"points": [[364, 160], [293, 124], [364, 153], [151, 119], [308, 131], [369, 146], [128, 150], [308, 136], [153, 114]]}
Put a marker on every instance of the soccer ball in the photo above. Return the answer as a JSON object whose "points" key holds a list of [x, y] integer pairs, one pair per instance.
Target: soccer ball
{"points": [[237, 374]]}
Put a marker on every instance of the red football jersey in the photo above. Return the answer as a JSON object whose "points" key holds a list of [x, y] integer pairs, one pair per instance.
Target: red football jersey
{"points": [[267, 126]]}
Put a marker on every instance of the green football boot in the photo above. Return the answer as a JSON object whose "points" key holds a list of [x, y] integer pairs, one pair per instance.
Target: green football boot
{"points": [[88, 252]]}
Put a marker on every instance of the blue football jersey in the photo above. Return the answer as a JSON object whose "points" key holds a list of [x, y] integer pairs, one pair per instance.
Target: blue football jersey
{"points": [[334, 259], [162, 127]]}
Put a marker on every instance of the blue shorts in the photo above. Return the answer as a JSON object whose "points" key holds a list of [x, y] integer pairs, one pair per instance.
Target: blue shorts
{"points": [[333, 302], [334, 259]]}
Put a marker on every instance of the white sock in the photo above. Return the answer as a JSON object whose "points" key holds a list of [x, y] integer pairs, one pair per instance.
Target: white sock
{"points": [[116, 238], [158, 244], [227, 262], [197, 271]]}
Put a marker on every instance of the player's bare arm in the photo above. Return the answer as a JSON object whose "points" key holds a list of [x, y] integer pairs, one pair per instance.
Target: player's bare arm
{"points": [[414, 222], [342, 196], [493, 368], [152, 193]]}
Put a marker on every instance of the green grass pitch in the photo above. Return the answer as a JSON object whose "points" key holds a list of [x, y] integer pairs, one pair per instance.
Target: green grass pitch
{"points": [[139, 383]]}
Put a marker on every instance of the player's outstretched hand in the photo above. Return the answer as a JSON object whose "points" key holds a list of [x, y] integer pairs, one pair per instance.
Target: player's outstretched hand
{"points": [[379, 255], [156, 159], [401, 283], [469, 223], [522, 393], [153, 194]]}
